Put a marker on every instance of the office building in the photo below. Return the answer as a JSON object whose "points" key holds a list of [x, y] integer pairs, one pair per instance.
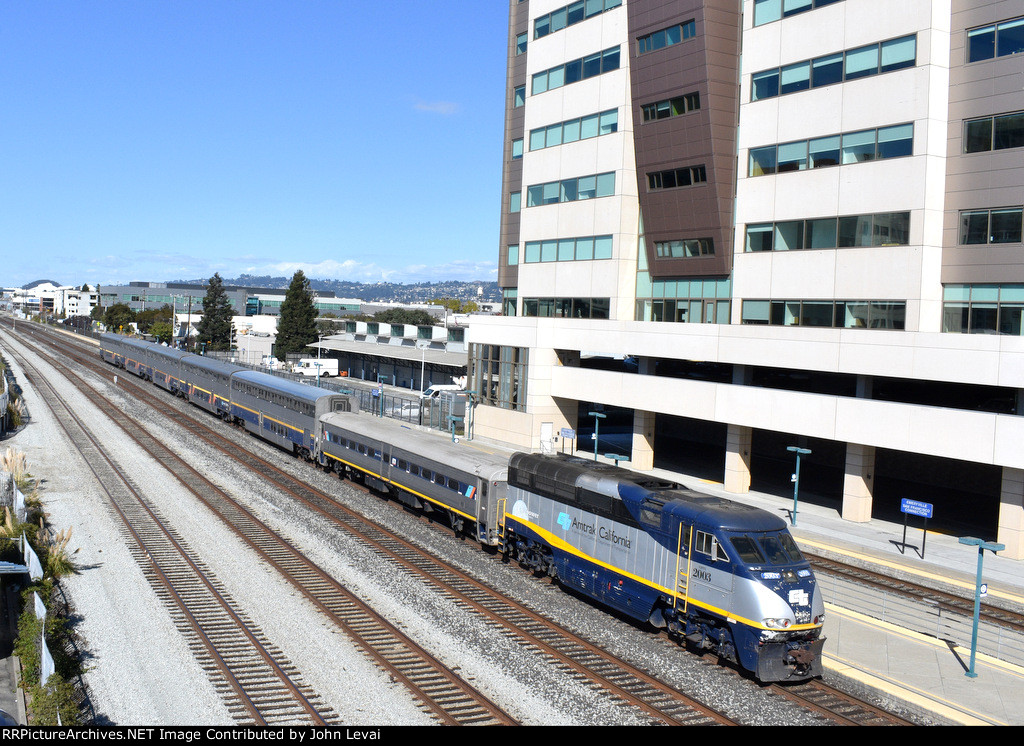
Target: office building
{"points": [[730, 229]]}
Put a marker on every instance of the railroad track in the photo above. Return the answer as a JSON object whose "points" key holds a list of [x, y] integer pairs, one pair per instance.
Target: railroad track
{"points": [[258, 685], [836, 705], [576, 656], [658, 702], [945, 600], [436, 688]]}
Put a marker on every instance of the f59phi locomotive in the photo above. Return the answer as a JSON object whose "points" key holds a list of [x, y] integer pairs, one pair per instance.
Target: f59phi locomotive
{"points": [[715, 574]]}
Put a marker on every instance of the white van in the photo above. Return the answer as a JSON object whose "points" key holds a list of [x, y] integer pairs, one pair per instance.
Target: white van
{"points": [[308, 366], [435, 391]]}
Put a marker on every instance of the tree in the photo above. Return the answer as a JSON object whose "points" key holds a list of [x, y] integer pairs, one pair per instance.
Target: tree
{"points": [[214, 328], [414, 317], [455, 305], [163, 331], [118, 318], [296, 329], [146, 319]]}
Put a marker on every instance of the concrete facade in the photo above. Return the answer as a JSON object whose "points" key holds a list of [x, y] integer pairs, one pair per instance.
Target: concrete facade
{"points": [[823, 244]]}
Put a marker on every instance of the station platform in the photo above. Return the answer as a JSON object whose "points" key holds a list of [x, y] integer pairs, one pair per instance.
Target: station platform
{"points": [[927, 673]]}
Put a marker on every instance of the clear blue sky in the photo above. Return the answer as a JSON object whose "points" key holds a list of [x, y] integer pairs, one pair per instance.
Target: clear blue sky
{"points": [[171, 139]]}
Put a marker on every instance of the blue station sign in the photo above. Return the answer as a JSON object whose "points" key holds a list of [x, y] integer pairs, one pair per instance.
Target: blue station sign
{"points": [[916, 507]]}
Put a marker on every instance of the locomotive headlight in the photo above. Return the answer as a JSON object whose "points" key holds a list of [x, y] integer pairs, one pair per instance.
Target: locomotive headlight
{"points": [[820, 619], [780, 623]]}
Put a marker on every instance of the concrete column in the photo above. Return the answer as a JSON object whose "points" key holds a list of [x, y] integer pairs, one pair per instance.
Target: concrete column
{"points": [[737, 459], [1011, 513], [859, 483], [642, 457]]}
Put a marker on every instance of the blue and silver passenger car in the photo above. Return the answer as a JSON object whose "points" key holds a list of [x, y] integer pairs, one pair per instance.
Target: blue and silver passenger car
{"points": [[281, 411], [464, 484]]}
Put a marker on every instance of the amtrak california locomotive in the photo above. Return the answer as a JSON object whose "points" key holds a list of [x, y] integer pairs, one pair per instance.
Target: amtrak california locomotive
{"points": [[723, 576], [719, 575]]}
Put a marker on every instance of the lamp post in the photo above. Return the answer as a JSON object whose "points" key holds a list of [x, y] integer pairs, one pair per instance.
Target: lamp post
{"points": [[597, 420], [796, 475], [319, 340], [982, 546], [423, 366]]}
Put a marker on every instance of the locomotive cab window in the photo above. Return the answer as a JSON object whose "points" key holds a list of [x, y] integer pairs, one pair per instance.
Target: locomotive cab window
{"points": [[747, 550], [780, 549]]}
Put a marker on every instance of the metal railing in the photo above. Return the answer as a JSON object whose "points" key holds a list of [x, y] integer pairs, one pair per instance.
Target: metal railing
{"points": [[927, 616]]}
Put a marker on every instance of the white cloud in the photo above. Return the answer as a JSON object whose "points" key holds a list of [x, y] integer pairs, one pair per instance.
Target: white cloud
{"points": [[437, 107]]}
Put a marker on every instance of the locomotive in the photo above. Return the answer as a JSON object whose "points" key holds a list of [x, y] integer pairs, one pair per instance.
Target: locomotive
{"points": [[715, 574]]}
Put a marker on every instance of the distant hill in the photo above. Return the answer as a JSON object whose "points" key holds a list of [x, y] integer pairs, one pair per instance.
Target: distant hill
{"points": [[378, 291]]}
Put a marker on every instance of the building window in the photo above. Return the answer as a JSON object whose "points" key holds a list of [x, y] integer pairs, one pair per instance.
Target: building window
{"points": [[508, 301], [517, 149], [997, 40], [575, 71], [766, 11], [571, 190], [880, 229], [1000, 132], [519, 96], [499, 375], [983, 309], [667, 37], [512, 255], [1002, 225], [671, 107], [684, 248], [571, 14], [521, 43], [841, 314], [567, 308], [683, 300], [873, 59], [568, 249], [850, 147], [677, 177], [515, 200], [594, 125]]}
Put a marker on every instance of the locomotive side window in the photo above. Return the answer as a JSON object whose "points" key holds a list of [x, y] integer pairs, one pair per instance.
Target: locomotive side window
{"points": [[703, 542], [706, 543]]}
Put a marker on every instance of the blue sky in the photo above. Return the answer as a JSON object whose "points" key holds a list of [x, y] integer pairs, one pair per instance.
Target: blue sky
{"points": [[171, 139]]}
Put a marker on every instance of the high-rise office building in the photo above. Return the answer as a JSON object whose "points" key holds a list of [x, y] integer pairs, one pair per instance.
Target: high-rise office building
{"points": [[733, 228]]}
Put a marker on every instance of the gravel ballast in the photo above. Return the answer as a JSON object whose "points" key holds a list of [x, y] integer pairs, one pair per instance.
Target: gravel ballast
{"points": [[142, 672]]}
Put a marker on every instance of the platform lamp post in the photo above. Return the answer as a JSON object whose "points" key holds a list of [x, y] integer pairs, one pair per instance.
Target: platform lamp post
{"points": [[423, 365], [978, 587], [319, 341], [796, 475], [597, 421]]}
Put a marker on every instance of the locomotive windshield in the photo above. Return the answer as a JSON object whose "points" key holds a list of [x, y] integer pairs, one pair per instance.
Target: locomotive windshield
{"points": [[765, 548]]}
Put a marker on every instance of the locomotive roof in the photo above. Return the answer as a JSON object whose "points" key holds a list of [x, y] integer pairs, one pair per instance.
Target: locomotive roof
{"points": [[633, 489], [430, 445], [286, 386]]}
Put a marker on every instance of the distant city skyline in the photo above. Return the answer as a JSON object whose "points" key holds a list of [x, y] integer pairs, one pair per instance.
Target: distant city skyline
{"points": [[164, 141]]}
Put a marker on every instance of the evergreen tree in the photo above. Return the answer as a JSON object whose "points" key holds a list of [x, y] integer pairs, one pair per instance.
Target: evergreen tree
{"points": [[214, 328], [296, 329]]}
